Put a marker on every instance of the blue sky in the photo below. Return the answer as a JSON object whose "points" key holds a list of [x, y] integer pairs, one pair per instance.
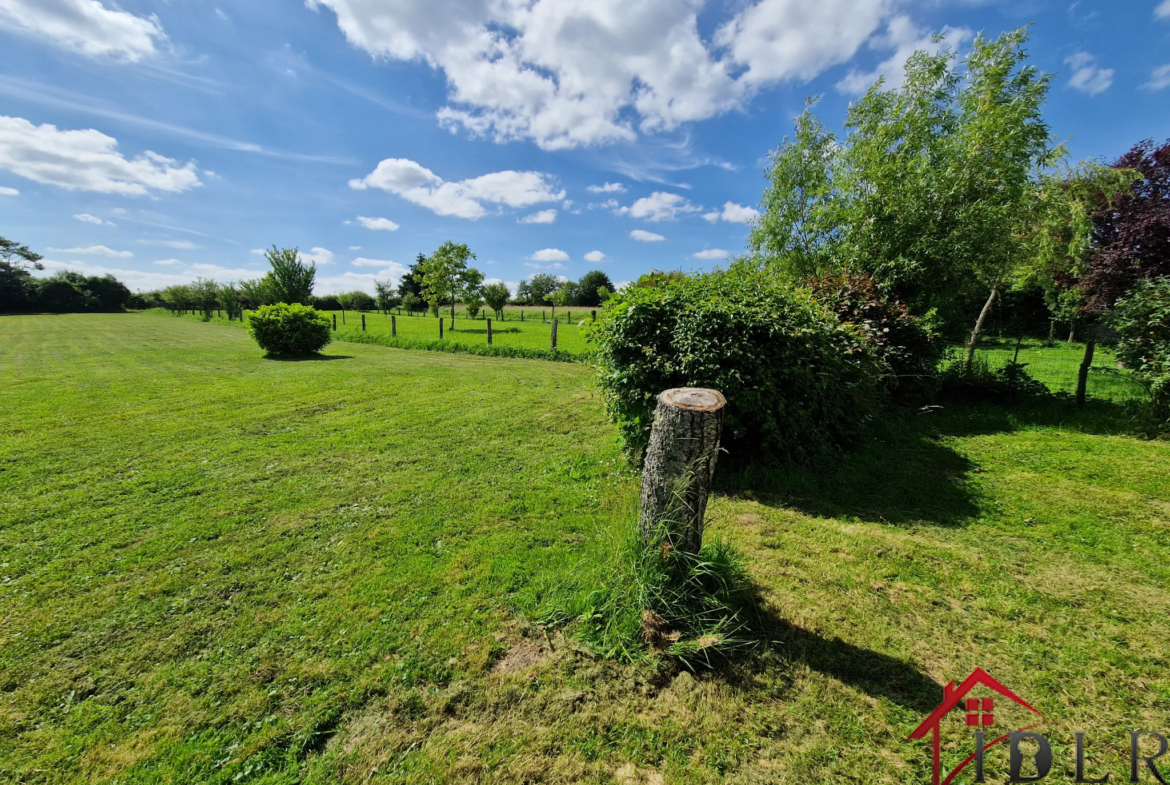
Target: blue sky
{"points": [[162, 141]]}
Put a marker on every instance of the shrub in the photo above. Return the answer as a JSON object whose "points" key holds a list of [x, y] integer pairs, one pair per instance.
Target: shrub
{"points": [[798, 382], [979, 382], [1142, 321], [284, 329], [906, 346]]}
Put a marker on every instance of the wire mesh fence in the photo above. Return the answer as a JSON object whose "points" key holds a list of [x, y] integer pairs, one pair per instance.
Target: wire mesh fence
{"points": [[1058, 364]]}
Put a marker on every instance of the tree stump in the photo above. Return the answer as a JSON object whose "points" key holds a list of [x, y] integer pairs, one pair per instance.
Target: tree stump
{"points": [[679, 465]]}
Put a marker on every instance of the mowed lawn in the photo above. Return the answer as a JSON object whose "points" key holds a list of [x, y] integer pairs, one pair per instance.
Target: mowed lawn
{"points": [[222, 568]]}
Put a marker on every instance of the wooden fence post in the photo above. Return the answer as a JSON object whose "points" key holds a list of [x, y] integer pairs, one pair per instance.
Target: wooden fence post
{"points": [[343, 316], [440, 328], [334, 322], [593, 315], [1083, 373], [363, 322], [554, 335], [679, 465], [489, 326], [393, 326]]}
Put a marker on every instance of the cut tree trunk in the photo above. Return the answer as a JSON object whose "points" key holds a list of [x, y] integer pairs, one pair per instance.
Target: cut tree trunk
{"points": [[1083, 373], [979, 326], [680, 462]]}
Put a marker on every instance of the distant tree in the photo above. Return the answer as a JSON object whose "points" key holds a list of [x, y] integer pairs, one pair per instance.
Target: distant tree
{"points": [[445, 276], [107, 293], [563, 295], [290, 280], [540, 286], [524, 293], [411, 283], [61, 294], [473, 302], [229, 299], [255, 292], [587, 288], [17, 288], [496, 295], [385, 296], [412, 302], [356, 300], [1132, 235], [206, 295]]}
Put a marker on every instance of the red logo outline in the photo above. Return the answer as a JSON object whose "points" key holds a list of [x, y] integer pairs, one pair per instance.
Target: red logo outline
{"points": [[952, 696]]}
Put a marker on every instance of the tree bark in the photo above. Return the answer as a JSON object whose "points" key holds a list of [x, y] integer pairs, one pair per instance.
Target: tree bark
{"points": [[1083, 373], [979, 326], [679, 465]]}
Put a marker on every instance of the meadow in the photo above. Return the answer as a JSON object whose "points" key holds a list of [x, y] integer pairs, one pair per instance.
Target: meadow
{"points": [[216, 567]]}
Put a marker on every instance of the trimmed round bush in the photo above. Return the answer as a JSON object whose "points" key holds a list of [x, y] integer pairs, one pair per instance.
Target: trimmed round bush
{"points": [[799, 383], [284, 330]]}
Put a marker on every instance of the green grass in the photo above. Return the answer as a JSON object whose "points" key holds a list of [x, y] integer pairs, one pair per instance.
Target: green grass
{"points": [[222, 568], [1057, 366]]}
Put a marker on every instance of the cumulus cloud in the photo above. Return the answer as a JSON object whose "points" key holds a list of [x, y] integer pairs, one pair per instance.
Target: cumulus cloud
{"points": [[317, 256], [97, 250], [542, 217], [1087, 76], [733, 213], [566, 74], [86, 161], [597, 257], [462, 199], [659, 206], [1160, 77], [646, 237], [712, 253], [378, 224], [92, 219], [168, 262], [905, 38], [6, 191], [550, 255], [608, 188], [85, 26], [608, 204]]}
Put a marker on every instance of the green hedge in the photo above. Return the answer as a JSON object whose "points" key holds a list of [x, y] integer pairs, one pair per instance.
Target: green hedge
{"points": [[1143, 321], [799, 383]]}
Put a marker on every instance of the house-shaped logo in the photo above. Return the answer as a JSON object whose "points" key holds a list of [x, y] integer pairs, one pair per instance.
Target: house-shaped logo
{"points": [[980, 714]]}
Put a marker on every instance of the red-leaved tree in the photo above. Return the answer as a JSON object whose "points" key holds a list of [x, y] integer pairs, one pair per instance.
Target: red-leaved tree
{"points": [[1132, 234]]}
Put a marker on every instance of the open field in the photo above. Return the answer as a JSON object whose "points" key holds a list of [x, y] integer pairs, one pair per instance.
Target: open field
{"points": [[1057, 366], [222, 568], [528, 334]]}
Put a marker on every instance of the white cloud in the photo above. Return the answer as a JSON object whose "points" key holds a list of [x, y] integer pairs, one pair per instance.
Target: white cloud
{"points": [[1163, 10], [554, 266], [542, 217], [597, 257], [608, 188], [97, 250], [550, 255], [905, 39], [93, 219], [1160, 78], [168, 262], [379, 224], [355, 248], [382, 264], [659, 206], [733, 213], [316, 255], [85, 26], [86, 161], [464, 198], [222, 15], [6, 191], [259, 251], [1087, 77], [182, 245], [712, 253], [646, 237], [565, 73], [608, 204], [349, 280]]}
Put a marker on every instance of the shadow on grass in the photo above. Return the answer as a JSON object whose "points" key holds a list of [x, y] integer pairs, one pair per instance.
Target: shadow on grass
{"points": [[894, 477], [300, 358]]}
